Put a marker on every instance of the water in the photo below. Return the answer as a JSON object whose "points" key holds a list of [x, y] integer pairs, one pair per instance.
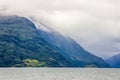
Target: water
{"points": [[59, 74]]}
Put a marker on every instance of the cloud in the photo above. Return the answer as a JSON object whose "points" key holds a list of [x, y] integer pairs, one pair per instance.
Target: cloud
{"points": [[95, 24]]}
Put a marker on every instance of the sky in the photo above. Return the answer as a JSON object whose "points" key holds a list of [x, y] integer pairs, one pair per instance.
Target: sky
{"points": [[95, 24]]}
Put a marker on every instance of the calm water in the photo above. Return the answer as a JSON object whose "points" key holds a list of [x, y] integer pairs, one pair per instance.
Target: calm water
{"points": [[58, 74]]}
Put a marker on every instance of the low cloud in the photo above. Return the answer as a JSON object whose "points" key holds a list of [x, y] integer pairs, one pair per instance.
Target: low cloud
{"points": [[95, 24]]}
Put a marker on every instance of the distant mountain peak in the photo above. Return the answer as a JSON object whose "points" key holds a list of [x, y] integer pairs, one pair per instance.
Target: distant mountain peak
{"points": [[114, 61]]}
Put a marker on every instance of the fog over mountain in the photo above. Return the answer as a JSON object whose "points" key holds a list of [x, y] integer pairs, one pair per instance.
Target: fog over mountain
{"points": [[95, 24]]}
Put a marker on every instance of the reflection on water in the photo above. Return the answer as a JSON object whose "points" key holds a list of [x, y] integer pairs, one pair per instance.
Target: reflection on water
{"points": [[59, 74]]}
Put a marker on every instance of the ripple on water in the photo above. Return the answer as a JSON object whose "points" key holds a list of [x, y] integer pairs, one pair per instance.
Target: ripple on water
{"points": [[59, 74]]}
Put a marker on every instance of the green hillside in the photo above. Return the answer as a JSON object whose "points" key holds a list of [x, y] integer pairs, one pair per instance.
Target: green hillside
{"points": [[19, 40]]}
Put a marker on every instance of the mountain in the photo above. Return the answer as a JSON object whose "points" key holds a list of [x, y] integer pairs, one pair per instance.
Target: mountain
{"points": [[114, 61], [71, 50], [22, 45]]}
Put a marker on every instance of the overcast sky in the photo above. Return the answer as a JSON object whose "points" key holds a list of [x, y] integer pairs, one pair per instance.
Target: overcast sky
{"points": [[95, 24]]}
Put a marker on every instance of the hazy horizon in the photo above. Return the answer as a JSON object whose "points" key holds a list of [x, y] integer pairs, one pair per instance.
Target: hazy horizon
{"points": [[95, 24]]}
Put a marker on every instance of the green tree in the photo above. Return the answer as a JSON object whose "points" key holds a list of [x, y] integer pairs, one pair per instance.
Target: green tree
{"points": [[33, 63], [30, 62], [42, 64]]}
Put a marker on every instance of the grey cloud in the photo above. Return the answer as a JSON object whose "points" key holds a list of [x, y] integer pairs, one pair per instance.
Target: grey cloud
{"points": [[95, 24]]}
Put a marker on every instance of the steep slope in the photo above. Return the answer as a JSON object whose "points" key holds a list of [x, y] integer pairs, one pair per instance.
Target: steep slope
{"points": [[19, 40], [72, 50], [114, 61]]}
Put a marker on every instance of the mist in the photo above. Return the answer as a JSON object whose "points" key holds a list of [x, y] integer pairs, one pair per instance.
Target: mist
{"points": [[95, 24]]}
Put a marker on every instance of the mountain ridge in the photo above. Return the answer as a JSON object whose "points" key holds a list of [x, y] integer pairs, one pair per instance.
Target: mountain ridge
{"points": [[71, 49], [21, 42]]}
